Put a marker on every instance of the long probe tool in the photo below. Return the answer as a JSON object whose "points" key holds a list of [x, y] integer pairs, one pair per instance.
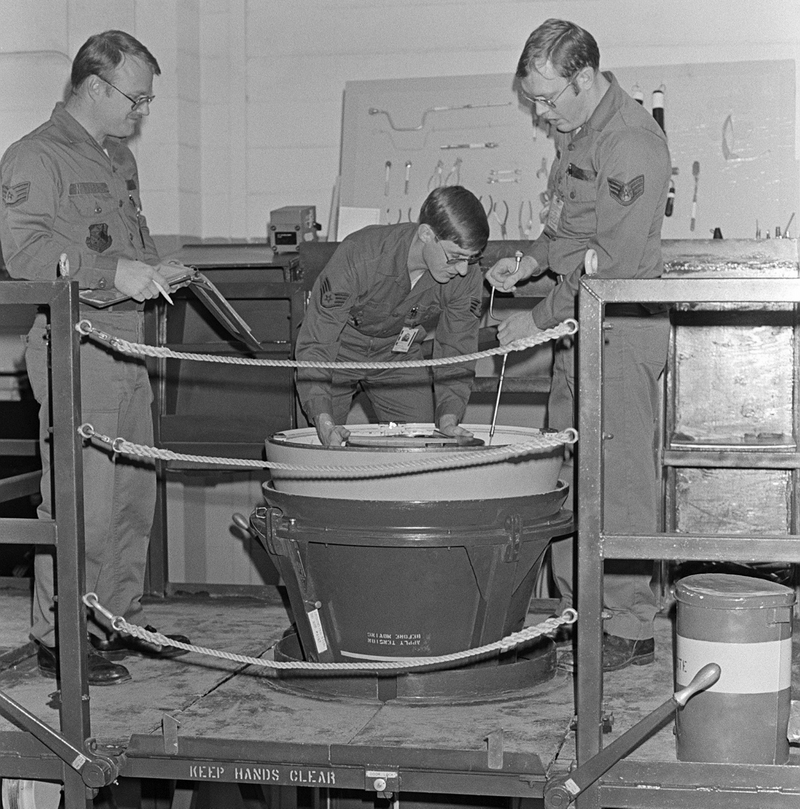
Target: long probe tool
{"points": [[518, 257]]}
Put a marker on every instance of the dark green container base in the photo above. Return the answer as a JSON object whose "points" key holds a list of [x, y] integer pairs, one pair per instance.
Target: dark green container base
{"points": [[508, 676]]}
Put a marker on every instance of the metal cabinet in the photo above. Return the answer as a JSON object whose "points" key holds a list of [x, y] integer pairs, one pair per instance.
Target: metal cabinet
{"points": [[728, 286], [210, 409], [217, 409], [731, 415]]}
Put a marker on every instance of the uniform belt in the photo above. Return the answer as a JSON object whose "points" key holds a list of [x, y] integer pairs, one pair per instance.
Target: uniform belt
{"points": [[634, 310]]}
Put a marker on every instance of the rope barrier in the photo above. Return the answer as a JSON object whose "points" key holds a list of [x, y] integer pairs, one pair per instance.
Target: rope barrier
{"points": [[119, 624], [475, 457], [84, 327]]}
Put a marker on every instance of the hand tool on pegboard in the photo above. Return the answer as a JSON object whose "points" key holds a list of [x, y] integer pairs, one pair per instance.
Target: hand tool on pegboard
{"points": [[658, 107], [696, 175], [503, 222], [387, 175], [658, 115]]}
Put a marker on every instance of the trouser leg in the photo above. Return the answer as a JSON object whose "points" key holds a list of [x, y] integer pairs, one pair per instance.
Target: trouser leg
{"points": [[119, 491], [634, 358], [119, 494], [404, 395]]}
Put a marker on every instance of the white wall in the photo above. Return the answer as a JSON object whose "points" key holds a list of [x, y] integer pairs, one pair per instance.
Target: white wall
{"points": [[248, 114]]}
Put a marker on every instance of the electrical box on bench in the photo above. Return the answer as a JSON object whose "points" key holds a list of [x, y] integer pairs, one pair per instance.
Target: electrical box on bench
{"points": [[290, 226]]}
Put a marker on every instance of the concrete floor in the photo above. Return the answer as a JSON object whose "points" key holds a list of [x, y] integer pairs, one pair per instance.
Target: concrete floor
{"points": [[225, 703], [213, 697]]}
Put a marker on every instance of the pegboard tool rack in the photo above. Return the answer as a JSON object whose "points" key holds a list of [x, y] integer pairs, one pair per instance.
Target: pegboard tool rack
{"points": [[664, 784]]}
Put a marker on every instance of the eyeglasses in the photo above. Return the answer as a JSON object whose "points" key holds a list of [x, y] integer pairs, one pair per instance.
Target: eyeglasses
{"points": [[451, 262], [136, 103], [551, 102]]}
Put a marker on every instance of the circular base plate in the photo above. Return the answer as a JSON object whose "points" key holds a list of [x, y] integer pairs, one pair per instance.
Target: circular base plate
{"points": [[497, 678]]}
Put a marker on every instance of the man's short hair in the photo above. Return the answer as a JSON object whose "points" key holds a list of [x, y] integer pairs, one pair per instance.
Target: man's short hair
{"points": [[566, 46], [102, 54], [455, 214]]}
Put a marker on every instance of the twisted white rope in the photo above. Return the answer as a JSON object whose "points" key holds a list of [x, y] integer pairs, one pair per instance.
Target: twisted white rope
{"points": [[526, 635], [85, 328], [475, 457]]}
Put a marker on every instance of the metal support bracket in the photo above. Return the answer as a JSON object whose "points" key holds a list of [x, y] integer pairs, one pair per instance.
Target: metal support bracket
{"points": [[96, 769], [495, 749]]}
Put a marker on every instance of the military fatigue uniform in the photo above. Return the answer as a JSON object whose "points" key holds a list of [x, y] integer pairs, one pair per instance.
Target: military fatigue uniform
{"points": [[608, 189], [358, 307], [63, 193]]}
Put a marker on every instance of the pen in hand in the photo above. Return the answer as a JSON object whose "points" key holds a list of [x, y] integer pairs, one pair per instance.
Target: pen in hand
{"points": [[163, 291]]}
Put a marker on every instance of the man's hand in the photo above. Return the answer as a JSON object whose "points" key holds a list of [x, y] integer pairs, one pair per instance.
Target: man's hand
{"points": [[517, 327], [331, 434], [172, 269], [505, 275], [448, 425], [139, 280]]}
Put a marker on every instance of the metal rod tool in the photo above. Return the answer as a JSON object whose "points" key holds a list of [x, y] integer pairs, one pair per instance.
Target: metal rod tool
{"points": [[518, 257]]}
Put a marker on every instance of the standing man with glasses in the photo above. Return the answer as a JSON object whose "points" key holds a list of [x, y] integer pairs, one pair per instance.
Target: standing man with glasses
{"points": [[608, 189], [382, 289], [71, 205]]}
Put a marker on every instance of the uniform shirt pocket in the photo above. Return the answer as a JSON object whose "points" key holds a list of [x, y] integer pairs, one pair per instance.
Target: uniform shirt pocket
{"points": [[580, 201], [93, 207]]}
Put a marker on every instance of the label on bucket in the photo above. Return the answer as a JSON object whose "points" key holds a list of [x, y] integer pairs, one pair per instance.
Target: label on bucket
{"points": [[316, 629], [747, 668]]}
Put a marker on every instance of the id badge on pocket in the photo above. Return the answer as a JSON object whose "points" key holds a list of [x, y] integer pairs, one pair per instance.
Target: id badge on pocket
{"points": [[405, 339], [554, 213]]}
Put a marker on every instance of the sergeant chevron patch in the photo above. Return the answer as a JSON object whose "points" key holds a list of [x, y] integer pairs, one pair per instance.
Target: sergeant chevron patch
{"points": [[329, 299], [626, 193]]}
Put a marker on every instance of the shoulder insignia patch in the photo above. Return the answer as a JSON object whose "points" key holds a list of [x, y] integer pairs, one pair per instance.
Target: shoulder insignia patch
{"points": [[475, 306], [14, 194], [626, 193], [329, 299]]}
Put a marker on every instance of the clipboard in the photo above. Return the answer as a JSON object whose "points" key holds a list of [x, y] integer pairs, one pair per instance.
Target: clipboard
{"points": [[103, 298], [224, 313], [203, 289]]}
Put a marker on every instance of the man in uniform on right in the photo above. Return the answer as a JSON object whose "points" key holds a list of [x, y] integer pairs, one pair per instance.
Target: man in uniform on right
{"points": [[608, 189]]}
